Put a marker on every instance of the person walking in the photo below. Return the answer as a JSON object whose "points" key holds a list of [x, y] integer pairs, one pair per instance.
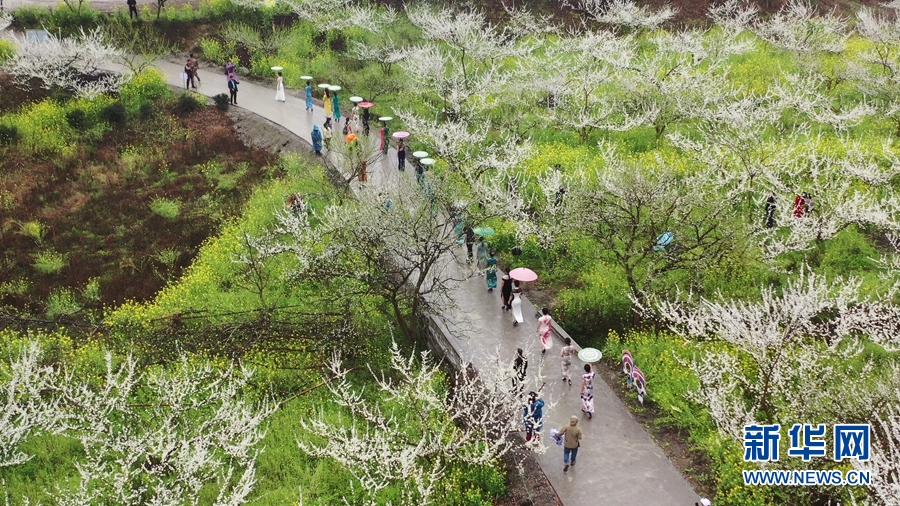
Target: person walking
{"points": [[309, 104], [365, 120], [385, 137], [132, 9], [506, 284], [279, 88], [194, 65], [587, 391], [490, 272], [565, 355], [481, 255], [401, 155], [516, 304], [571, 435], [326, 105], [544, 325], [326, 133], [420, 172], [520, 365], [534, 417], [317, 139], [470, 241], [336, 103]]}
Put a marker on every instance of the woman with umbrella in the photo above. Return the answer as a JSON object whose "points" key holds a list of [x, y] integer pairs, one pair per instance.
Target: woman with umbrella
{"points": [[481, 255], [365, 120], [326, 104], [385, 137], [401, 155], [490, 273], [317, 139], [309, 104]]}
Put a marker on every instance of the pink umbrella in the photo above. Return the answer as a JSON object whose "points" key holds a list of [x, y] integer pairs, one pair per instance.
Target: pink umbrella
{"points": [[366, 105], [400, 135], [523, 274]]}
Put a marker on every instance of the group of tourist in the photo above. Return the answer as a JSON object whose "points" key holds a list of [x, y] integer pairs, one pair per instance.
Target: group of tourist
{"points": [[569, 436]]}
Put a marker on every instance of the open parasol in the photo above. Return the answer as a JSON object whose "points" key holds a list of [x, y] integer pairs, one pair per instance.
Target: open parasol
{"points": [[334, 88], [420, 154], [483, 231], [427, 161], [356, 100], [590, 355], [277, 69], [400, 135], [324, 85], [366, 105], [523, 274], [306, 78]]}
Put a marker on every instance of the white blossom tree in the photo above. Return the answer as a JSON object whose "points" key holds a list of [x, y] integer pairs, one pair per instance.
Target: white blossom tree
{"points": [[799, 27], [844, 191], [71, 63], [413, 427], [878, 71], [5, 20], [624, 13], [25, 408], [161, 436], [793, 339]]}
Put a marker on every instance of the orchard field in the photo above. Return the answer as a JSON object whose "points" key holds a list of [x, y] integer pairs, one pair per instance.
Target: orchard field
{"points": [[718, 196]]}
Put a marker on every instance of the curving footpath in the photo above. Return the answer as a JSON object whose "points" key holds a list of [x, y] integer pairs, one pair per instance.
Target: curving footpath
{"points": [[618, 462]]}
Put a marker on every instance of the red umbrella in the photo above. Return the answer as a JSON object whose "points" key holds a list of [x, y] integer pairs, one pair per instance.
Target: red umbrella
{"points": [[523, 274], [366, 105]]}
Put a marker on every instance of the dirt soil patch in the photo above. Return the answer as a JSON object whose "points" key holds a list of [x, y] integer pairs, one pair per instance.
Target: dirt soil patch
{"points": [[102, 211], [526, 482]]}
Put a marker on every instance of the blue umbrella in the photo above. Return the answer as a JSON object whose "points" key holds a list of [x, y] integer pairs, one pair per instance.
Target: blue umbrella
{"points": [[663, 240]]}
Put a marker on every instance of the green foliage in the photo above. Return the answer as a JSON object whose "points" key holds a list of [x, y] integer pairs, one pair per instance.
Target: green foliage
{"points": [[113, 113], [62, 302], [188, 103], [49, 262], [7, 50], [145, 88], [849, 253], [599, 305], [222, 101], [76, 118], [216, 52], [9, 135], [34, 229], [167, 208]]}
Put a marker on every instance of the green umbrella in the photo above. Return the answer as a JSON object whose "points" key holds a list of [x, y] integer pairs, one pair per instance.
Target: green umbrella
{"points": [[484, 231]]}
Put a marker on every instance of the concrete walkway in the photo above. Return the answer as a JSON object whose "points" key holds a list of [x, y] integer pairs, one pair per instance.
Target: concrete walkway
{"points": [[618, 463]]}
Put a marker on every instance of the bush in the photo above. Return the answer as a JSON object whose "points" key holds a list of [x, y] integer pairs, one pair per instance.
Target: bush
{"points": [[222, 101], [6, 50], [49, 262], [113, 113], [216, 52], [145, 111], [30, 17], [147, 86], [76, 118], [167, 208], [187, 103], [9, 135], [62, 303], [600, 305]]}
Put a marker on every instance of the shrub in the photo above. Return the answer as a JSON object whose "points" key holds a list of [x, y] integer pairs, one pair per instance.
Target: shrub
{"points": [[222, 101], [145, 111], [34, 229], [167, 208], [6, 50], [113, 113], [146, 86], [76, 118], [30, 17], [62, 303], [187, 103], [9, 135], [49, 262], [216, 52]]}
